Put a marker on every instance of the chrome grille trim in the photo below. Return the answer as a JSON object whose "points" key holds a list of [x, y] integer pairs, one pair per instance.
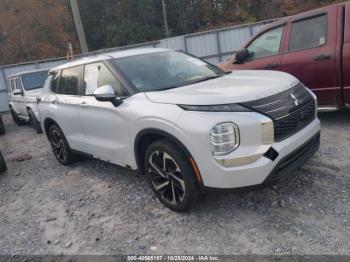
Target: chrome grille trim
{"points": [[290, 110]]}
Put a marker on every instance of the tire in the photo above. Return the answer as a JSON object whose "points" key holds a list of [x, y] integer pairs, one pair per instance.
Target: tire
{"points": [[16, 118], [60, 146], [34, 122], [3, 166], [174, 183], [2, 126]]}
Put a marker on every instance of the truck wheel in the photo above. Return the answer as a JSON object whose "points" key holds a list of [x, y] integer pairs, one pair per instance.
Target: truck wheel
{"points": [[2, 126], [60, 146], [171, 176], [3, 166], [34, 122], [16, 119]]}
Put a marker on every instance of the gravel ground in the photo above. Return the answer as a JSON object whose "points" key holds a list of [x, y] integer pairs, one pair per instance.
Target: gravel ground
{"points": [[96, 208]]}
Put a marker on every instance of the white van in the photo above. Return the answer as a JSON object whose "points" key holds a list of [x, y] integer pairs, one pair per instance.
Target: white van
{"points": [[24, 88]]}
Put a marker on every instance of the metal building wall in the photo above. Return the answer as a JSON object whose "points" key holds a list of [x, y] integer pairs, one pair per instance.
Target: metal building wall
{"points": [[214, 46]]}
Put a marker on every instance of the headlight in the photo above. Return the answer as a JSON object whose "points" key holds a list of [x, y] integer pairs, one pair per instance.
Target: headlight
{"points": [[216, 108], [224, 138]]}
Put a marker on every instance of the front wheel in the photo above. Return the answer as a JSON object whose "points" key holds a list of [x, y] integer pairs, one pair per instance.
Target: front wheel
{"points": [[34, 122], [60, 146], [2, 126], [16, 118], [3, 166], [171, 176]]}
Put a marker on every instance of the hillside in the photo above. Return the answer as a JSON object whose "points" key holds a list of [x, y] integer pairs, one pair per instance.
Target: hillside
{"points": [[37, 29]]}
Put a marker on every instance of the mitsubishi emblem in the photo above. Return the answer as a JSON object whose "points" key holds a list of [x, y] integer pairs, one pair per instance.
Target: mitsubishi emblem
{"points": [[296, 102]]}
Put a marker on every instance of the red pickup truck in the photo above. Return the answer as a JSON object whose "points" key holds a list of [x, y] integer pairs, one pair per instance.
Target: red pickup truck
{"points": [[313, 46]]}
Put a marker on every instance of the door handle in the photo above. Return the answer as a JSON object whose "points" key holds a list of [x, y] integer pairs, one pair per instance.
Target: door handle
{"points": [[322, 57], [271, 66], [83, 103], [55, 102]]}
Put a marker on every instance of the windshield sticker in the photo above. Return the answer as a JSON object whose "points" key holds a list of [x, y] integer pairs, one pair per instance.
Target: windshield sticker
{"points": [[196, 61]]}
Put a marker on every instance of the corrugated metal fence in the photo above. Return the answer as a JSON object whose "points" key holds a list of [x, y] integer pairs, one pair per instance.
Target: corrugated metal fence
{"points": [[214, 46]]}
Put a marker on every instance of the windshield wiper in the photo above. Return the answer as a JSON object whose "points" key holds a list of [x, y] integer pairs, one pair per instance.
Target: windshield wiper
{"points": [[192, 82], [206, 78], [167, 88]]}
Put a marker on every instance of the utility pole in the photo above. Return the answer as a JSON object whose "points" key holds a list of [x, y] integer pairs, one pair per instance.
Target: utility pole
{"points": [[79, 26], [165, 20]]}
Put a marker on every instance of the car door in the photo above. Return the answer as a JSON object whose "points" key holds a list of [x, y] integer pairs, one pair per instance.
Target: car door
{"points": [[311, 54], [13, 98], [65, 105], [346, 56], [105, 126], [9, 88], [19, 98], [265, 50]]}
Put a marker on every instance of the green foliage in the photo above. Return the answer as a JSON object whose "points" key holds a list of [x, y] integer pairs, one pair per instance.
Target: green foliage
{"points": [[131, 32], [37, 29], [110, 23]]}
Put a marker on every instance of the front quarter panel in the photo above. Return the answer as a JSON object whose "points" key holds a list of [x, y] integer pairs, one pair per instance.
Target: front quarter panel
{"points": [[154, 116]]}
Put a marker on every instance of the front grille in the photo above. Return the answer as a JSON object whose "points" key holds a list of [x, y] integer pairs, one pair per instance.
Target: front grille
{"points": [[290, 110], [292, 123]]}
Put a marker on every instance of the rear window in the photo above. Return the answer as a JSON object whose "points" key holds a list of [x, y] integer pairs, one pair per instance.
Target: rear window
{"points": [[54, 81], [13, 86], [34, 81], [309, 33], [18, 84], [68, 83]]}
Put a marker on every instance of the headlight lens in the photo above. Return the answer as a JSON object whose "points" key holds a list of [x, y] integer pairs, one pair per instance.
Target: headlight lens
{"points": [[216, 108], [224, 138]]}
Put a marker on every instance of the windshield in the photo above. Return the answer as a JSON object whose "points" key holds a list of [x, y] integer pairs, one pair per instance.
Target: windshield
{"points": [[34, 81], [165, 70]]}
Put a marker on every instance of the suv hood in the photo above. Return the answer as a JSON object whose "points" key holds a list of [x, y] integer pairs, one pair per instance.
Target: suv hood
{"points": [[237, 87]]}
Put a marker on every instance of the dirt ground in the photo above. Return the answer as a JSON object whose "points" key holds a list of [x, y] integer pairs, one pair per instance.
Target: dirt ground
{"points": [[96, 208]]}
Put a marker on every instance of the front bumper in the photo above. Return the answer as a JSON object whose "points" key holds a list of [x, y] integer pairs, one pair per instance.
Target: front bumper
{"points": [[291, 154], [294, 160]]}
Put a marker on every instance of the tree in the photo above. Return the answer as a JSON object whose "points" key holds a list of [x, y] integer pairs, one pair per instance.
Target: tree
{"points": [[35, 29]]}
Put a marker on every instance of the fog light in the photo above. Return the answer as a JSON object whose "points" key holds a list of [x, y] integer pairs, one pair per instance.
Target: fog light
{"points": [[224, 138]]}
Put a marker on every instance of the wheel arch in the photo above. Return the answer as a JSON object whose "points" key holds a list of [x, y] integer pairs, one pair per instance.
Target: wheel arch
{"points": [[48, 122], [147, 136]]}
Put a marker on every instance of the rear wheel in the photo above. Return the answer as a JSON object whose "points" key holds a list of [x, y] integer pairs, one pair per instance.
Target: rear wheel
{"points": [[3, 166], [171, 176], [60, 146], [16, 118], [2, 126], [34, 122]]}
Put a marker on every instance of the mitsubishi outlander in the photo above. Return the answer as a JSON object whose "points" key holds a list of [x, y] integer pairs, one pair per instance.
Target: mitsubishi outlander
{"points": [[183, 122]]}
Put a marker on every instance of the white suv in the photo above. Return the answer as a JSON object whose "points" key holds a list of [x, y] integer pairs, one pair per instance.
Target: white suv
{"points": [[24, 88], [184, 123]]}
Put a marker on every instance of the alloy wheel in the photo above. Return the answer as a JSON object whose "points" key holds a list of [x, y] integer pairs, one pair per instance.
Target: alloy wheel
{"points": [[58, 145], [166, 177]]}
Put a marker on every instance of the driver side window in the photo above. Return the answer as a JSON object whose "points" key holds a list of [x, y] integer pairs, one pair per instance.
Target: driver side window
{"points": [[97, 75], [19, 84], [267, 44]]}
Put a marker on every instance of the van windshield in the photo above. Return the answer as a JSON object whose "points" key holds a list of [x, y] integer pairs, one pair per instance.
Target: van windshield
{"points": [[165, 70], [34, 80]]}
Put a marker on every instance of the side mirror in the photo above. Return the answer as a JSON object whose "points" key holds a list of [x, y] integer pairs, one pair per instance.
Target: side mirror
{"points": [[242, 56], [106, 94], [17, 92]]}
